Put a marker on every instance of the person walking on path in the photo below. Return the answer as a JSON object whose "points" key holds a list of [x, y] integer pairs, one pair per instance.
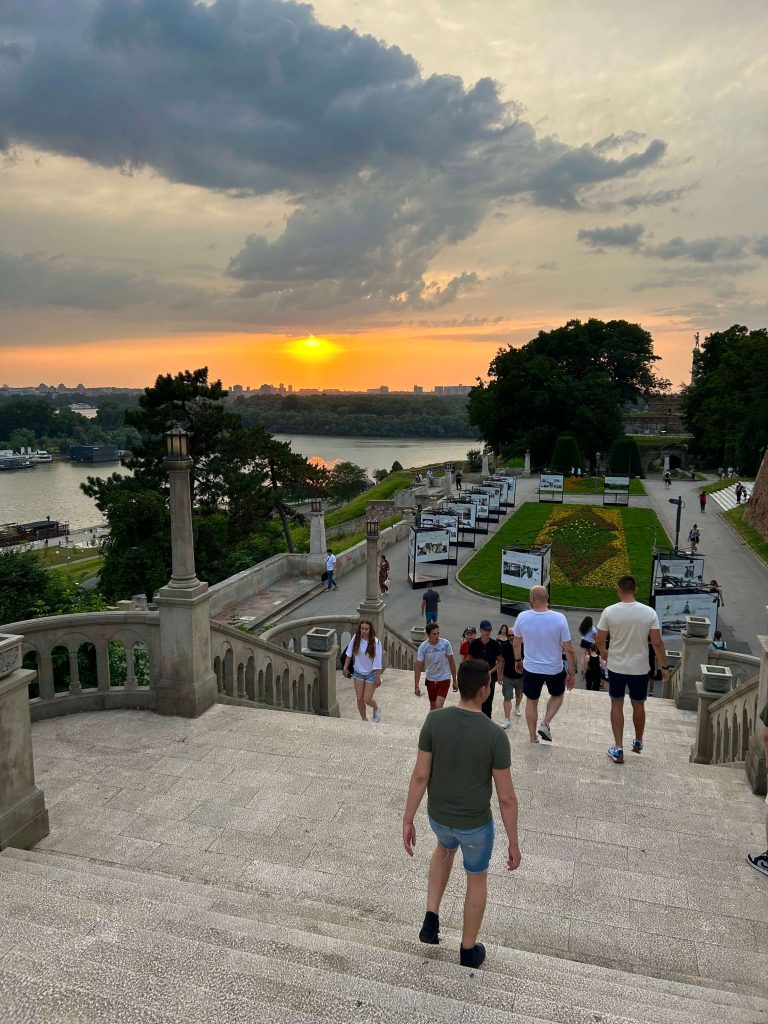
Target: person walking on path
{"points": [[458, 481], [715, 587], [667, 480], [364, 651], [759, 861], [547, 639], [593, 673], [631, 626], [587, 632], [488, 650], [694, 538], [460, 754], [330, 568], [435, 658], [383, 575], [703, 502], [512, 683], [429, 604]]}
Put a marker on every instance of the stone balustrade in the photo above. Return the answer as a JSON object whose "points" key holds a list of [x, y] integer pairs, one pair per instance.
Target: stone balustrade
{"points": [[262, 672], [744, 667], [399, 652], [90, 662]]}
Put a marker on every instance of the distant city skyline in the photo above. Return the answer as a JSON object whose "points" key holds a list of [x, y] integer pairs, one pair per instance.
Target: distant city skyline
{"points": [[348, 195]]}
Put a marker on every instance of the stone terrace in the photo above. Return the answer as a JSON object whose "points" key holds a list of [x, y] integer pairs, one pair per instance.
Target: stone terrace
{"points": [[247, 866]]}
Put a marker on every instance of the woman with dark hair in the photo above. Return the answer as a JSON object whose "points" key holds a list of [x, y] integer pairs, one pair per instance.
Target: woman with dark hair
{"points": [[588, 633], [364, 650], [383, 575]]}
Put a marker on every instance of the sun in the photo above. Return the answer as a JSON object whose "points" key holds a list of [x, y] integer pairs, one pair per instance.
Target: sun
{"points": [[312, 349]]}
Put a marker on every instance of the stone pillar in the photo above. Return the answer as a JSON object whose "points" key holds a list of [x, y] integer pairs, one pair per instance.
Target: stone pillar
{"points": [[701, 751], [666, 462], [372, 607], [486, 467], [448, 479], [695, 650], [527, 466], [23, 817], [318, 544], [187, 684], [756, 772], [327, 704]]}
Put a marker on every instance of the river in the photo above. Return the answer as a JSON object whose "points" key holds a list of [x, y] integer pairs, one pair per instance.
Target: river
{"points": [[53, 489]]}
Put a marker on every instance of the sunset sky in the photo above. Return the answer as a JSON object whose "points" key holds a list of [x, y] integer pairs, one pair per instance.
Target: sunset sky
{"points": [[408, 184]]}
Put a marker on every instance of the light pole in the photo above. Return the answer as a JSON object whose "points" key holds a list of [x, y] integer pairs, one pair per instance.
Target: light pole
{"points": [[372, 607], [187, 684], [679, 503]]}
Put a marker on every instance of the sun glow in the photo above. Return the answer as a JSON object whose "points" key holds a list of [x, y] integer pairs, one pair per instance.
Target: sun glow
{"points": [[312, 349]]}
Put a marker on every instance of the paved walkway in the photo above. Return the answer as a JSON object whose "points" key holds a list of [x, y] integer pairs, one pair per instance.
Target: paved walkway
{"points": [[743, 578]]}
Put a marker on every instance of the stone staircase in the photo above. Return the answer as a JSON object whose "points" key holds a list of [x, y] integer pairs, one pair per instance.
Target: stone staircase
{"points": [[247, 866], [726, 496]]}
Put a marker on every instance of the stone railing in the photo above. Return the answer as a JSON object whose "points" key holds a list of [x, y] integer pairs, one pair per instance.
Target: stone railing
{"points": [[90, 662], [292, 635], [263, 673], [744, 667], [245, 584], [398, 651]]}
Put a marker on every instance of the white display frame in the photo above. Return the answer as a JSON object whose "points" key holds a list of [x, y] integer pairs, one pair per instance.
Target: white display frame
{"points": [[494, 492], [509, 483], [551, 487], [483, 500], [685, 571], [428, 567], [673, 605], [449, 521], [616, 490], [466, 516], [535, 563]]}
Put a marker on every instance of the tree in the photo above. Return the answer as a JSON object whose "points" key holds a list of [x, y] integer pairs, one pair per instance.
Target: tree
{"points": [[567, 455], [346, 480], [396, 467], [624, 458], [726, 405], [27, 590], [474, 460], [569, 380], [380, 474]]}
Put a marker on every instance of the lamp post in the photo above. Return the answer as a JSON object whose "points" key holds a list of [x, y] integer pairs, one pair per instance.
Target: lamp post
{"points": [[317, 556], [597, 463], [372, 607], [187, 684], [679, 503]]}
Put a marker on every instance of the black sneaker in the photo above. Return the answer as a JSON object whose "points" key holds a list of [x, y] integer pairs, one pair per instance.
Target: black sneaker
{"points": [[472, 957], [759, 861], [430, 929]]}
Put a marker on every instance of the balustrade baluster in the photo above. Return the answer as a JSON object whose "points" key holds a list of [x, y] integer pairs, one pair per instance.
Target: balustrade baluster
{"points": [[74, 672]]}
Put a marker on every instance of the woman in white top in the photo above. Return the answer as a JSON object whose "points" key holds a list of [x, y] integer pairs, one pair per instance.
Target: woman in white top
{"points": [[588, 632], [364, 650]]}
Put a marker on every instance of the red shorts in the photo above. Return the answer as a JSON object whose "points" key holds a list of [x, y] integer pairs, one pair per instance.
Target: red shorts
{"points": [[438, 688]]}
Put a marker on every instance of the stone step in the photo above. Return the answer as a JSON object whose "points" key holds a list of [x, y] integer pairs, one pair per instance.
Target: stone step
{"points": [[181, 910], [179, 948]]}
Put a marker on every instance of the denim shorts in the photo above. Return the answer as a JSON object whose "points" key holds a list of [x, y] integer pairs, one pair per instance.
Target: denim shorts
{"points": [[369, 677], [476, 844]]}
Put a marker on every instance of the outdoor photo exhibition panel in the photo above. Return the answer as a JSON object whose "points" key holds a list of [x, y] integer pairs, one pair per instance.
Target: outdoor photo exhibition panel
{"points": [[551, 486], [429, 552], [521, 569], [444, 521], [495, 491], [466, 511], [483, 502], [509, 485], [677, 571], [672, 606], [616, 490]]}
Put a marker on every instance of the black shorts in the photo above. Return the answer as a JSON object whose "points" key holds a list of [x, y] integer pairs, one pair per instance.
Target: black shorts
{"points": [[620, 682], [533, 682], [586, 644]]}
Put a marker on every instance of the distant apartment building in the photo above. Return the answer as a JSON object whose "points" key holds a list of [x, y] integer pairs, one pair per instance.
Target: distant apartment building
{"points": [[382, 389], [452, 389], [418, 389]]}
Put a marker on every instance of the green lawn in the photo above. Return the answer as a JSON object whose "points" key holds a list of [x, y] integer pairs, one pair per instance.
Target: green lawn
{"points": [[756, 541], [63, 556], [640, 527], [594, 485], [79, 571], [339, 544], [382, 491]]}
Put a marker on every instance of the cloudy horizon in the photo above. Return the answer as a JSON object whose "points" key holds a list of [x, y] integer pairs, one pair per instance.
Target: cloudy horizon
{"points": [[210, 182]]}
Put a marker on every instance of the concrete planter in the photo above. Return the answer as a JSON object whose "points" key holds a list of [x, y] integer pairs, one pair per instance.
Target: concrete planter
{"points": [[716, 678], [697, 625], [418, 633], [673, 659], [320, 639], [10, 653]]}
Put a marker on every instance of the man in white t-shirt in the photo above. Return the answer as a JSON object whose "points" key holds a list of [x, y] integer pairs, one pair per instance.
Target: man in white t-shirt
{"points": [[632, 627], [435, 658], [330, 568], [547, 640]]}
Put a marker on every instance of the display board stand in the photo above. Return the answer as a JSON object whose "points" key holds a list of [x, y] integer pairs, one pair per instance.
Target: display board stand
{"points": [[429, 555], [509, 483], [616, 490], [466, 513], [522, 567], [551, 487], [436, 519], [495, 492], [484, 501], [678, 589]]}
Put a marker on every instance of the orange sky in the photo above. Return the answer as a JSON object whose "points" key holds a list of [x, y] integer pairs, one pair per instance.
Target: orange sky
{"points": [[396, 357]]}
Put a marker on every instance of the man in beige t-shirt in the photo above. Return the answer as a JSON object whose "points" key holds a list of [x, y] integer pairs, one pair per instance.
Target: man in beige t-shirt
{"points": [[632, 626]]}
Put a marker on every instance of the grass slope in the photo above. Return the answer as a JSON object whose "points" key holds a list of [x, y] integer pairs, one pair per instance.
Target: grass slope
{"points": [[641, 530], [756, 541], [382, 491]]}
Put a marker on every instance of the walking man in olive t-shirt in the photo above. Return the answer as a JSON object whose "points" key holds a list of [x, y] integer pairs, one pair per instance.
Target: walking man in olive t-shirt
{"points": [[460, 753]]}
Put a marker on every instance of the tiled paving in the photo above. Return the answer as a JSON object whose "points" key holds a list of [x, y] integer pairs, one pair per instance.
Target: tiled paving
{"points": [[198, 869]]}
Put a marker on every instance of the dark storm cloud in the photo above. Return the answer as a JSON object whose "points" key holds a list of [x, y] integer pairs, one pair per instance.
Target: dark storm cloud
{"points": [[383, 166], [627, 236]]}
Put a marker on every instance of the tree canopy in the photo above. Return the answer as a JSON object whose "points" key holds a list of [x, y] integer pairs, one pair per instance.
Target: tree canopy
{"points": [[726, 405], [573, 379]]}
